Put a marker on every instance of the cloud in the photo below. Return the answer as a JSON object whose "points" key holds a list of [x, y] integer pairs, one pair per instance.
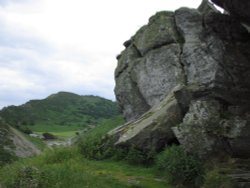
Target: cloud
{"points": [[48, 46], [7, 2]]}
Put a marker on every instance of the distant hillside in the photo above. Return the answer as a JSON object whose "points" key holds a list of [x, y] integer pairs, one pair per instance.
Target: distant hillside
{"points": [[62, 108]]}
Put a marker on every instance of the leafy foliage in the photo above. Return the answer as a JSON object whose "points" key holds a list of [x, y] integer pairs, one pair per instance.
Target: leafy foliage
{"points": [[91, 145], [179, 167], [215, 179], [61, 109]]}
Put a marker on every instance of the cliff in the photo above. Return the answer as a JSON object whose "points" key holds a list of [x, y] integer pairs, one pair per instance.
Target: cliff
{"points": [[185, 78]]}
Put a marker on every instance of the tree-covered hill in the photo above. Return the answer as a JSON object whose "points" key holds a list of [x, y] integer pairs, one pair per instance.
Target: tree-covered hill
{"points": [[63, 108]]}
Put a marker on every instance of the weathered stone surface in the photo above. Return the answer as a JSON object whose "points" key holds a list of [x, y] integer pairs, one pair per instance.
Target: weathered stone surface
{"points": [[196, 131], [153, 129], [210, 128], [205, 52], [127, 93], [15, 143], [237, 9], [206, 7], [160, 31], [143, 81], [237, 131], [158, 73]]}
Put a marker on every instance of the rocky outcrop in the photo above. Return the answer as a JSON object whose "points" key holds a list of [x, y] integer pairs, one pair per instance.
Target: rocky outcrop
{"points": [[22, 146], [237, 9], [13, 142], [152, 130], [186, 76]]}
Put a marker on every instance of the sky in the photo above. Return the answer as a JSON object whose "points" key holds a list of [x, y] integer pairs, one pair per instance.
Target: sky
{"points": [[47, 46]]}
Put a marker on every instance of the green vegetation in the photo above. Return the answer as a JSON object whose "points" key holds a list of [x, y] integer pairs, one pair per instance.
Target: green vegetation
{"points": [[215, 179], [95, 163], [6, 155], [91, 163], [92, 146], [179, 167], [62, 132], [40, 128], [61, 109], [65, 168], [39, 143], [91, 143]]}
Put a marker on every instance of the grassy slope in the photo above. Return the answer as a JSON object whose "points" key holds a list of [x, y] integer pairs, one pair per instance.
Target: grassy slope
{"points": [[64, 109], [66, 167]]}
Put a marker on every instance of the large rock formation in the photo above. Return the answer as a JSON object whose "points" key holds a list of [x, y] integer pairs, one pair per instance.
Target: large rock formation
{"points": [[186, 76]]}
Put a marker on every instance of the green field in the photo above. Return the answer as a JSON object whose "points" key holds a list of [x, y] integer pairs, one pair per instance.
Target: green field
{"points": [[60, 131], [54, 128]]}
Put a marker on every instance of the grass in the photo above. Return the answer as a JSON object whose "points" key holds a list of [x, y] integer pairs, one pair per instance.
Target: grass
{"points": [[54, 128], [67, 131], [37, 142], [65, 167], [60, 131], [65, 134]]}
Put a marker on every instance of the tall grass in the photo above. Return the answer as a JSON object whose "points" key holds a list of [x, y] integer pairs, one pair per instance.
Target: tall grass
{"points": [[66, 168]]}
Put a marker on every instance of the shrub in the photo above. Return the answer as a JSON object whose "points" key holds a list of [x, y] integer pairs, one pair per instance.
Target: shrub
{"points": [[215, 179], [179, 167], [135, 156], [90, 148], [6, 156], [94, 144], [30, 177], [49, 136], [27, 131]]}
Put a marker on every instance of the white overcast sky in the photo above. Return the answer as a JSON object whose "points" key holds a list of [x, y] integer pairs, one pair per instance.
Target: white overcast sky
{"points": [[47, 46]]}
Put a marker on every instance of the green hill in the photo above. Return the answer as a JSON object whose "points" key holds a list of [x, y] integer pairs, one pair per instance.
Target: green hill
{"points": [[63, 108]]}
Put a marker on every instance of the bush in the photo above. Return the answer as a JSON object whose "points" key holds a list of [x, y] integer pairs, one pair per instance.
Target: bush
{"points": [[30, 177], [27, 131], [94, 145], [179, 167], [49, 136], [6, 156], [135, 156], [90, 148], [215, 179]]}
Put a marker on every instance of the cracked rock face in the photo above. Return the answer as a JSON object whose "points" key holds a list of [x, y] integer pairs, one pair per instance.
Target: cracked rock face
{"points": [[201, 58]]}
